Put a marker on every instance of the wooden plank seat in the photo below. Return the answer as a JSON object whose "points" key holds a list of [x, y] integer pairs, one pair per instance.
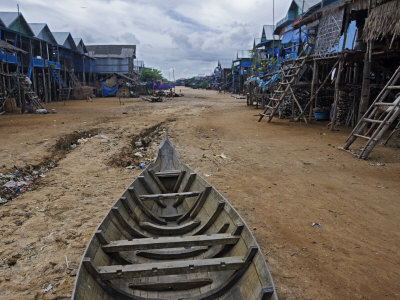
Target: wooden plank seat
{"points": [[170, 242], [169, 230], [185, 284], [169, 195], [170, 268], [103, 274], [168, 174]]}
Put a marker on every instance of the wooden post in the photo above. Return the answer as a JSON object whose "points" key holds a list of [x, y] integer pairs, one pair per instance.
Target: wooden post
{"points": [[365, 87], [339, 73], [46, 96], [313, 83]]}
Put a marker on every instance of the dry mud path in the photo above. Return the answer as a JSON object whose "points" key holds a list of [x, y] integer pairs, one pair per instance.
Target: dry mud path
{"points": [[281, 177]]}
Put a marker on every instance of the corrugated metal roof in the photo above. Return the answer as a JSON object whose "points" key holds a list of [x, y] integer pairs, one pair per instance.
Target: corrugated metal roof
{"points": [[65, 39], [268, 33], [112, 50], [37, 28], [8, 17]]}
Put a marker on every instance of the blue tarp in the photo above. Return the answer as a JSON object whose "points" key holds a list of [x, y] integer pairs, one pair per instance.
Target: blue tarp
{"points": [[109, 91], [264, 84], [246, 64], [292, 36]]}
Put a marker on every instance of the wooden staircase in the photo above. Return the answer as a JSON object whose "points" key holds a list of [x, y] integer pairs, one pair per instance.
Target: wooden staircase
{"points": [[27, 87], [379, 116], [290, 76]]}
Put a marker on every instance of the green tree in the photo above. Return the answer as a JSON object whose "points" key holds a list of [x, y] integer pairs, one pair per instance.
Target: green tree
{"points": [[147, 75]]}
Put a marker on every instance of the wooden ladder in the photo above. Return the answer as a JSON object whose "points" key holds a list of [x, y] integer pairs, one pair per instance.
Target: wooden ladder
{"points": [[289, 77], [29, 92], [380, 115]]}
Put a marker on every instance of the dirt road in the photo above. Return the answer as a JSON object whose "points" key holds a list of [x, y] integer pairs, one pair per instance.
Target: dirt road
{"points": [[282, 177]]}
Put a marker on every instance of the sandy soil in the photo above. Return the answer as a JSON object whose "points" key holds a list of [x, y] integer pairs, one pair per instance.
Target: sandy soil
{"points": [[281, 177]]}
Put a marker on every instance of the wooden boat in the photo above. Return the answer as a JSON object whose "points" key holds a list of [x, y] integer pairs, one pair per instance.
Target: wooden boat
{"points": [[172, 236]]}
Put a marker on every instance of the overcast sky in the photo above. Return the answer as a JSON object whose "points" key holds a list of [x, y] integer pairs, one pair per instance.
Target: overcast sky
{"points": [[187, 35]]}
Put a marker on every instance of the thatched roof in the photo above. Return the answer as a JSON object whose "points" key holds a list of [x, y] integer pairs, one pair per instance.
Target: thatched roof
{"points": [[383, 21]]}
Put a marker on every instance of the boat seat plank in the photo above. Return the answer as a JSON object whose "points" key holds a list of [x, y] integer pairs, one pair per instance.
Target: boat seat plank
{"points": [[167, 174], [170, 267], [168, 195], [186, 284], [171, 242]]}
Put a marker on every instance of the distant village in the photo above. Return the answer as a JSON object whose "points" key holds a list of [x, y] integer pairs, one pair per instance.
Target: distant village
{"points": [[322, 60]]}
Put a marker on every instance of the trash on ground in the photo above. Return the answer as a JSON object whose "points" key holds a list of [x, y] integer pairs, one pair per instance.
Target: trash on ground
{"points": [[380, 164], [315, 224], [222, 155], [47, 288], [138, 154], [41, 111]]}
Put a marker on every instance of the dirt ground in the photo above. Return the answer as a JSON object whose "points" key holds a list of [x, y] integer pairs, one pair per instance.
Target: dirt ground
{"points": [[281, 177]]}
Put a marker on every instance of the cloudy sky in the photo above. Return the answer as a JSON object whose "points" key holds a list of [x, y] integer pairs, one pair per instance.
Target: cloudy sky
{"points": [[189, 36]]}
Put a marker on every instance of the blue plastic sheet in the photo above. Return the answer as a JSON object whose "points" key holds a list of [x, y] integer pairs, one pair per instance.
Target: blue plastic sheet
{"points": [[109, 91], [264, 84]]}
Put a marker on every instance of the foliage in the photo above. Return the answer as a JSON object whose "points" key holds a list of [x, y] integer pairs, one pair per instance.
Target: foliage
{"points": [[148, 75]]}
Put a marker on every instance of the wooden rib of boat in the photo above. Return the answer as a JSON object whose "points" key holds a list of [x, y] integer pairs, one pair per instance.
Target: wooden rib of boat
{"points": [[172, 236]]}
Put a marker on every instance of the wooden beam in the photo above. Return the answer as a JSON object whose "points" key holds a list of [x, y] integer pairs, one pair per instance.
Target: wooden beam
{"points": [[168, 195], [170, 268], [170, 242]]}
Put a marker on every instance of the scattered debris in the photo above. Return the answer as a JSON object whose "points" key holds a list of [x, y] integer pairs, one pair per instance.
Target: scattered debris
{"points": [[47, 288], [380, 164], [293, 253], [138, 154], [316, 224], [67, 263], [73, 146], [207, 175], [381, 186], [41, 111], [222, 155]]}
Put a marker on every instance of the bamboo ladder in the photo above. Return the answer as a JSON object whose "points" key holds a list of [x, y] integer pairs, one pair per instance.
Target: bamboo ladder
{"points": [[380, 115], [289, 77]]}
